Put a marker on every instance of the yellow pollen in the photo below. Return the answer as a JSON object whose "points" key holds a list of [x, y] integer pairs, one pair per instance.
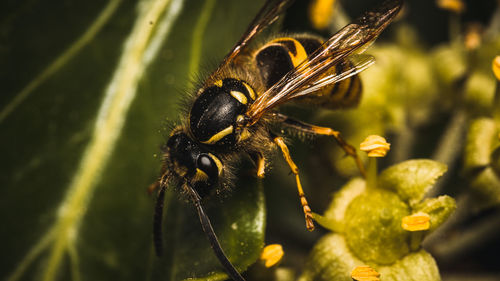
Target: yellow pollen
{"points": [[365, 273], [495, 65], [375, 146], [416, 222], [456, 6], [272, 254], [320, 13]]}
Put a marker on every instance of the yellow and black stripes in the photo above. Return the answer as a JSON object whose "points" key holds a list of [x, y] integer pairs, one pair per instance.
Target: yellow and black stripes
{"points": [[281, 55], [277, 57], [344, 94], [296, 51]]}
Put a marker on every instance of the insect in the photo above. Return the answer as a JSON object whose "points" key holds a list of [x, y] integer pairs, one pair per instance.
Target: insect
{"points": [[231, 114]]}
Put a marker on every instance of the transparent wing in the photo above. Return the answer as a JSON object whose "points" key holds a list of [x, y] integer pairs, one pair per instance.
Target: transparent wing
{"points": [[306, 77], [268, 14], [354, 65]]}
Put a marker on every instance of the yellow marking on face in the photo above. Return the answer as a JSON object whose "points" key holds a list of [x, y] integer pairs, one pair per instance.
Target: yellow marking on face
{"points": [[301, 54], [217, 137], [218, 83], [251, 92], [200, 175], [217, 162], [239, 96]]}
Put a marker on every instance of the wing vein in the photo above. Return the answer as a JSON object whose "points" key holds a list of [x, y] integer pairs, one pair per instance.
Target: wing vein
{"points": [[307, 77]]}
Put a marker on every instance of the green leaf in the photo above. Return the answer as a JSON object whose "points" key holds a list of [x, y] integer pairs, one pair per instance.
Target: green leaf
{"points": [[87, 90], [239, 222], [449, 63], [495, 160], [329, 260], [480, 92], [439, 209], [486, 187], [411, 179], [413, 267], [481, 161], [479, 145]]}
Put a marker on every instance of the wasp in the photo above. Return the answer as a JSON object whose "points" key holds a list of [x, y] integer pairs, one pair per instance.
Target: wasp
{"points": [[231, 115]]}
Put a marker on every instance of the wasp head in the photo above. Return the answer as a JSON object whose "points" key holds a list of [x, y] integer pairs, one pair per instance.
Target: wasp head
{"points": [[192, 164]]}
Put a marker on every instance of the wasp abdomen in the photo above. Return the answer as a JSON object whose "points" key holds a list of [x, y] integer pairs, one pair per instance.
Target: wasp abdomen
{"points": [[281, 55], [213, 115]]}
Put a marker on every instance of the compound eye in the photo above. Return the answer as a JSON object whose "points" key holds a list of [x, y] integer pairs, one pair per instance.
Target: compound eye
{"points": [[207, 164]]}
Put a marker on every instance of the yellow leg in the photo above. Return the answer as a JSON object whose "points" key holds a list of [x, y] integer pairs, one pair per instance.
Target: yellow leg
{"points": [[325, 131], [349, 149], [260, 164], [295, 170]]}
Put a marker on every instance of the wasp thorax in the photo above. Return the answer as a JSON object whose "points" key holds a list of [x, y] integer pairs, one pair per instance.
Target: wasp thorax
{"points": [[192, 164], [214, 113]]}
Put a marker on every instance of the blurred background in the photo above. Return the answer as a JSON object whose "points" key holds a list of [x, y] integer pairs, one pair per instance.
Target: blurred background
{"points": [[91, 89]]}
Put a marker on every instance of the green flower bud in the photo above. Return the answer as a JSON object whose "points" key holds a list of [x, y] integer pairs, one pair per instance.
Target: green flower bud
{"points": [[382, 226], [373, 226]]}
